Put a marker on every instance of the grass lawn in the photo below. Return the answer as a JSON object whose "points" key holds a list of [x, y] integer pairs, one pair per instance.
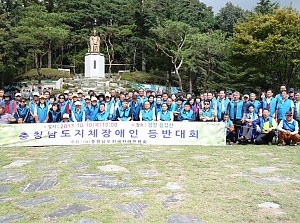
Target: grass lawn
{"points": [[214, 184]]}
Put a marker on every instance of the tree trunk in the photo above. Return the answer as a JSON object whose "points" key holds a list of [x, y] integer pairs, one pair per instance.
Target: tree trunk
{"points": [[143, 62], [179, 78], [38, 64], [190, 83], [49, 57]]}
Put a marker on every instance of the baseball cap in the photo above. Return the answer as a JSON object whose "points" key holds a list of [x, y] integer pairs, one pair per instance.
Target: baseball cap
{"points": [[87, 97], [75, 96], [18, 95], [94, 99], [36, 94], [246, 96], [79, 92], [66, 116], [289, 113], [107, 94], [66, 92], [291, 90], [229, 92], [77, 103], [42, 96]]}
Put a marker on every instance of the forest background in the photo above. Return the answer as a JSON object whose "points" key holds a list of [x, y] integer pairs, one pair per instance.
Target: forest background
{"points": [[178, 43]]}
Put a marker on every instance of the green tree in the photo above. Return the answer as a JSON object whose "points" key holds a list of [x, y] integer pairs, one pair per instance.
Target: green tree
{"points": [[266, 7], [38, 32], [229, 15], [173, 40], [267, 46]]}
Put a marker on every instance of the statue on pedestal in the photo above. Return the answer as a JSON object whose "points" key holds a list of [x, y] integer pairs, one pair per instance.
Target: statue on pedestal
{"points": [[94, 43]]}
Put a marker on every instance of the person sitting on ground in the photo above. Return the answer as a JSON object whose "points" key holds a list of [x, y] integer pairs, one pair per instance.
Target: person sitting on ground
{"points": [[187, 114], [265, 128], [247, 127], [78, 115], [165, 114], [102, 115], [54, 114], [124, 113], [65, 117], [288, 130], [23, 112], [229, 129], [147, 114], [207, 114]]}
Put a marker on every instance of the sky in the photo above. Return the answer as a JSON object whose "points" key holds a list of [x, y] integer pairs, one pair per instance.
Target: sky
{"points": [[248, 4]]}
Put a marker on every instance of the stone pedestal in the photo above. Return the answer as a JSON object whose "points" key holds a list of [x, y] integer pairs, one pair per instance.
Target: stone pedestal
{"points": [[94, 66]]}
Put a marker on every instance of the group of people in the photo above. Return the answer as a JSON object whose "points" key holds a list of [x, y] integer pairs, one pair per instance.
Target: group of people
{"points": [[247, 119]]}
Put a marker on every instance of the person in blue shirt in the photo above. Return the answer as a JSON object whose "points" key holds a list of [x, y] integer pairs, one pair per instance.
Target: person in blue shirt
{"points": [[247, 128], [152, 101], [147, 114], [142, 98], [171, 105], [103, 115], [187, 114], [78, 115], [229, 126], [178, 108], [288, 130], [135, 105], [283, 106], [207, 114], [41, 110], [222, 104], [164, 114], [124, 113], [54, 114], [158, 105], [236, 112], [270, 103], [23, 112], [279, 96], [93, 110], [255, 103]]}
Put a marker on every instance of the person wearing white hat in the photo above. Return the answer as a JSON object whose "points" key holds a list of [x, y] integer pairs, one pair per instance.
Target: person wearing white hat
{"points": [[78, 115], [41, 110], [66, 117], [18, 98], [93, 109]]}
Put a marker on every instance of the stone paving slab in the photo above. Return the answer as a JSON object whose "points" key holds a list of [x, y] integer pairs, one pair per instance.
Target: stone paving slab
{"points": [[177, 218], [269, 205], [39, 185], [93, 177], [35, 202], [112, 168], [17, 163], [4, 188], [65, 211], [135, 209], [264, 169], [11, 218], [12, 176]]}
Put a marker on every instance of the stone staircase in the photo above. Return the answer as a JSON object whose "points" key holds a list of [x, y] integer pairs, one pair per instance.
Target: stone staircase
{"points": [[97, 85]]}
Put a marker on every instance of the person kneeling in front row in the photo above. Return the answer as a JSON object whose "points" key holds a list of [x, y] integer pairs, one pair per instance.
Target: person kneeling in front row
{"points": [[265, 128], [288, 130]]}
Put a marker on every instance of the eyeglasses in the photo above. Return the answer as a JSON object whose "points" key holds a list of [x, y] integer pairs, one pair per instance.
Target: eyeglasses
{"points": [[23, 101], [61, 98], [206, 103]]}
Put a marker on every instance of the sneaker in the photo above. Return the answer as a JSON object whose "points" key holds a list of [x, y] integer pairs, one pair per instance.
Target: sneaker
{"points": [[279, 144], [293, 144]]}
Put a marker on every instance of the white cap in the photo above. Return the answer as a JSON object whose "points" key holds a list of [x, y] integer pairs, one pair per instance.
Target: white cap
{"points": [[66, 92], [77, 103], [18, 94], [66, 116], [36, 94], [79, 91], [75, 96], [94, 99], [87, 97], [107, 94]]}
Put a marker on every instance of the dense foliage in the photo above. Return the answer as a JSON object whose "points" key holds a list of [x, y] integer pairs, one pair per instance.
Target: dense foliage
{"points": [[182, 41]]}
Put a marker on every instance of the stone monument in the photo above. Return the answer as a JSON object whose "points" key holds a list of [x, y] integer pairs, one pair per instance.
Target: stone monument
{"points": [[94, 66]]}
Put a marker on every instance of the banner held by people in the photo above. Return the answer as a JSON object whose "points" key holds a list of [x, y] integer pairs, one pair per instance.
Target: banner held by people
{"points": [[149, 133]]}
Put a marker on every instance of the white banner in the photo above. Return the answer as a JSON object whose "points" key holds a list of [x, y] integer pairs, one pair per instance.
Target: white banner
{"points": [[149, 133]]}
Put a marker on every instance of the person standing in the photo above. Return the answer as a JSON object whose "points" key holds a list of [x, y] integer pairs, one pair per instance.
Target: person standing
{"points": [[283, 106]]}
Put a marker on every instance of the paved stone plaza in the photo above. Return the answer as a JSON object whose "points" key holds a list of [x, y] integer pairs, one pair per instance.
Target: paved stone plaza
{"points": [[148, 184]]}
